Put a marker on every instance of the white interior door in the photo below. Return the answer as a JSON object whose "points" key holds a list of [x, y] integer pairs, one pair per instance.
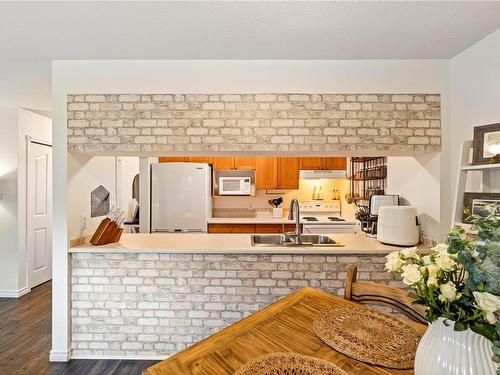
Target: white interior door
{"points": [[39, 225]]}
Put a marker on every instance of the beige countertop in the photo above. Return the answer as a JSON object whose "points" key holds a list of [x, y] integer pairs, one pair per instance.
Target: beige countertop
{"points": [[203, 243]]}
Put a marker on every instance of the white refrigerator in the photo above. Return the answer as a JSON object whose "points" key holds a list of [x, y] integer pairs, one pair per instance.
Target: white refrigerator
{"points": [[181, 197]]}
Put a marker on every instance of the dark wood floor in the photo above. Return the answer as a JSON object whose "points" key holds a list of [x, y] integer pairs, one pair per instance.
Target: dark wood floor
{"points": [[25, 341]]}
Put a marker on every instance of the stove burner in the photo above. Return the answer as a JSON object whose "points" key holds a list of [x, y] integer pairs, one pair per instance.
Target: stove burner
{"points": [[310, 218], [333, 218]]}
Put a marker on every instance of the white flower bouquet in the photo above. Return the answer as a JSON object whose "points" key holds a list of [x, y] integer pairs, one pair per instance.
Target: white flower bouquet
{"points": [[459, 280]]}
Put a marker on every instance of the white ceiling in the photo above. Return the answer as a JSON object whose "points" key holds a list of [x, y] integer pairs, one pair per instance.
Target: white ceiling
{"points": [[33, 33]]}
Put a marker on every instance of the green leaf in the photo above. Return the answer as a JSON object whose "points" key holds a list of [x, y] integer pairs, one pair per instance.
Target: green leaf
{"points": [[460, 326], [483, 329]]}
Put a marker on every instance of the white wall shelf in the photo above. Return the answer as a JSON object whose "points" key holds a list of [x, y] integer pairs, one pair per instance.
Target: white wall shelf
{"points": [[480, 167], [489, 182]]}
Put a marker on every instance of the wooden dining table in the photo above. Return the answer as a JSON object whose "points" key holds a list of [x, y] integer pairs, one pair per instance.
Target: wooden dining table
{"points": [[284, 326]]}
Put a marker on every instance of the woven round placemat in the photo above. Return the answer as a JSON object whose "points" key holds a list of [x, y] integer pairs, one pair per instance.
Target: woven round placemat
{"points": [[288, 364], [369, 335]]}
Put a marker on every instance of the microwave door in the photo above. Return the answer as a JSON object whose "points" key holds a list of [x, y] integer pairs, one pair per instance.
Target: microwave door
{"points": [[230, 186]]}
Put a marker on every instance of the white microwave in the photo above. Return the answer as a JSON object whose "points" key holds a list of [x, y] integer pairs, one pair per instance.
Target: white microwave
{"points": [[235, 185]]}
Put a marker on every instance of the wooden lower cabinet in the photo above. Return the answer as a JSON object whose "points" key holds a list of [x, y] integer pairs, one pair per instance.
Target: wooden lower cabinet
{"points": [[250, 228], [231, 228], [268, 228]]}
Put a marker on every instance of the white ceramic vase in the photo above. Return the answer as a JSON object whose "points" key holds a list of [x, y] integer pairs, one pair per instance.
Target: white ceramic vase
{"points": [[443, 351]]}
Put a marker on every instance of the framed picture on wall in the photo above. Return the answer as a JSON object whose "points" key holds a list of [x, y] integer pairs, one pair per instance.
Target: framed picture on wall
{"points": [[475, 204], [486, 144]]}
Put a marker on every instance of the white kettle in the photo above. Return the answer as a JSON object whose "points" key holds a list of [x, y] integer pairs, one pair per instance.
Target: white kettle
{"points": [[397, 225]]}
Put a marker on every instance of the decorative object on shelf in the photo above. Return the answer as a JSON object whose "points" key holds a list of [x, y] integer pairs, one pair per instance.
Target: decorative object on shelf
{"points": [[476, 204], [486, 144], [287, 364], [368, 177], [459, 283], [99, 201], [369, 335], [110, 229]]}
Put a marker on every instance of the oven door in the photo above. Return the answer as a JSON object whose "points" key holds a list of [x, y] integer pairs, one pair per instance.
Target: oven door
{"points": [[329, 228]]}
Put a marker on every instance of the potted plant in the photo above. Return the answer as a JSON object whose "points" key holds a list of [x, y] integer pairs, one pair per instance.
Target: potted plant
{"points": [[459, 283]]}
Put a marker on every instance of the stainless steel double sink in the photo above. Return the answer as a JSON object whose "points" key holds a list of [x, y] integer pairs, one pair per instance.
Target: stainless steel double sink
{"points": [[281, 240]]}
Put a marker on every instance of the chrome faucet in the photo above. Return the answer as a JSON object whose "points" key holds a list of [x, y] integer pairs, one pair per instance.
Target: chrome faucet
{"points": [[294, 211]]}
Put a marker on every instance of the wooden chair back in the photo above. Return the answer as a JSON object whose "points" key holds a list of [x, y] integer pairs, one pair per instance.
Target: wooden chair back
{"points": [[377, 294]]}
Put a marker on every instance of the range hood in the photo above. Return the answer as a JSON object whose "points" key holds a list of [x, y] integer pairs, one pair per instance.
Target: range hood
{"points": [[322, 174]]}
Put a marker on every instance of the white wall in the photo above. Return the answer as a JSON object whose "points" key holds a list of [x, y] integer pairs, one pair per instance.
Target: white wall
{"points": [[86, 173], [15, 124], [212, 76], [475, 94], [8, 208], [417, 181]]}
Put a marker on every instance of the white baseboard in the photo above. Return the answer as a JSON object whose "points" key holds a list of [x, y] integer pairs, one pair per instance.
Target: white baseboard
{"points": [[60, 356], [130, 358], [14, 293]]}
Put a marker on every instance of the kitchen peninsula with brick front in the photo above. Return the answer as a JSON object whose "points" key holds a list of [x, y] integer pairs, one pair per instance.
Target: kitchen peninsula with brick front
{"points": [[160, 290], [151, 295]]}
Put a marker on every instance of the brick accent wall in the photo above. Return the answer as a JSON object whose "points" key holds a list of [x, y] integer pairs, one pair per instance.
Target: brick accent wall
{"points": [[378, 123], [143, 305]]}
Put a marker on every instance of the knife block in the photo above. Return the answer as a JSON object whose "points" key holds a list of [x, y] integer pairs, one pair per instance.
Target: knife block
{"points": [[107, 232]]}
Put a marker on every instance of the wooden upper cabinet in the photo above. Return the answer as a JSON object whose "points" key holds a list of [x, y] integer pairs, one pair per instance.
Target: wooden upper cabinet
{"points": [[184, 159], [323, 163], [339, 163], [245, 163], [200, 159], [222, 163], [266, 173], [288, 173], [311, 163], [172, 159]]}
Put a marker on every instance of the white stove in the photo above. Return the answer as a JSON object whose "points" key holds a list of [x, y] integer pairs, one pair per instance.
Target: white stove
{"points": [[324, 217]]}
